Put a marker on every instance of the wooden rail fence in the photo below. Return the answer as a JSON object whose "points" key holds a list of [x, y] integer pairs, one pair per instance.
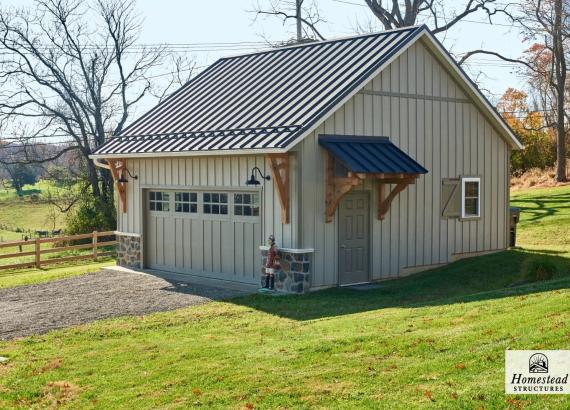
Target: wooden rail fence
{"points": [[38, 251]]}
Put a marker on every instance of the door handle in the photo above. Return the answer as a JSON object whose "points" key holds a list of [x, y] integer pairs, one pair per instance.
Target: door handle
{"points": [[342, 246]]}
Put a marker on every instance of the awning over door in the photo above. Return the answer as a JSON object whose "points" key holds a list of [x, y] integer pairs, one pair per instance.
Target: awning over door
{"points": [[366, 158], [370, 155]]}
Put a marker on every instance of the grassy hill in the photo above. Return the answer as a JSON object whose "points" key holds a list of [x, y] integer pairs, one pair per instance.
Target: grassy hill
{"points": [[434, 340], [27, 212]]}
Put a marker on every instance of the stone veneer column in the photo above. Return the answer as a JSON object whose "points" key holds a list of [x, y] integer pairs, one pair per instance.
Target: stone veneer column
{"points": [[129, 250], [295, 273]]}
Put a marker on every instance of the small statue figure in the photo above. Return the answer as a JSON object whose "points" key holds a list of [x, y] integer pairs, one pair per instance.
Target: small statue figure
{"points": [[272, 264]]}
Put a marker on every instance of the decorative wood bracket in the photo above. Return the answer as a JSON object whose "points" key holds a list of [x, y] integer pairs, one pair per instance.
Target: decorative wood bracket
{"points": [[117, 167], [337, 187], [384, 203], [280, 169]]}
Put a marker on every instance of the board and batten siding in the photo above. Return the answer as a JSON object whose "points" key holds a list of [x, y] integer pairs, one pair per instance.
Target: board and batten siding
{"points": [[233, 253], [416, 103]]}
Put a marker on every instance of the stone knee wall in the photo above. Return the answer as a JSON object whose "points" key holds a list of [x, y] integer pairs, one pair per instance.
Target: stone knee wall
{"points": [[295, 273], [129, 251]]}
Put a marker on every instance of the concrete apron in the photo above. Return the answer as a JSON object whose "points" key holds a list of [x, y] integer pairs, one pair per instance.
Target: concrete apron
{"points": [[187, 278]]}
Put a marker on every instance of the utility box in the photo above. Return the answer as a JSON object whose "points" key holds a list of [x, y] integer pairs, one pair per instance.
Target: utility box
{"points": [[515, 214]]}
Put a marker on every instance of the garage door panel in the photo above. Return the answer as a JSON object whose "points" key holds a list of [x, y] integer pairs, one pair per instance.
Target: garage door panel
{"points": [[179, 243], [217, 246], [197, 263], [248, 251], [187, 249], [208, 245], [169, 242], [160, 241], [238, 248], [151, 240], [258, 239], [227, 244]]}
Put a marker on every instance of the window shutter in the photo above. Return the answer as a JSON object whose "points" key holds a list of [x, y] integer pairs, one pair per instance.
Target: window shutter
{"points": [[450, 198]]}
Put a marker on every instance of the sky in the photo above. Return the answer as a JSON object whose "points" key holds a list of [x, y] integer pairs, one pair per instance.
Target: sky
{"points": [[194, 21], [207, 28]]}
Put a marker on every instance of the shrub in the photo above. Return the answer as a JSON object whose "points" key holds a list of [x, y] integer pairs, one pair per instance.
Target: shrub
{"points": [[91, 214]]}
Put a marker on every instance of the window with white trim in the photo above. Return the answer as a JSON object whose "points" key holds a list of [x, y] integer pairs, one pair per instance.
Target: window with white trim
{"points": [[186, 202], [215, 203], [159, 201], [246, 204], [470, 197]]}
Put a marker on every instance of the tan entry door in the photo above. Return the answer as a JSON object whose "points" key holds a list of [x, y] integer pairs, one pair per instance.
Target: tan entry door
{"points": [[354, 238]]}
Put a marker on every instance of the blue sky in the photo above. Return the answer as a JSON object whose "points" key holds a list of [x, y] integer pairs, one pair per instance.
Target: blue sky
{"points": [[191, 21], [228, 21]]}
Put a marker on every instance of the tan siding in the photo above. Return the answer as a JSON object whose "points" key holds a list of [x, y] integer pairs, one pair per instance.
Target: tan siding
{"points": [[206, 246], [448, 136], [416, 104]]}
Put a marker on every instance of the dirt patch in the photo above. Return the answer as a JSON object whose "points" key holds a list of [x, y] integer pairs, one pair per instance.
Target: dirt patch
{"points": [[52, 365], [58, 393], [28, 310]]}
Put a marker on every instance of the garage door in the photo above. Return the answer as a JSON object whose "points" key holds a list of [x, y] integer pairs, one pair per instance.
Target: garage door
{"points": [[210, 233]]}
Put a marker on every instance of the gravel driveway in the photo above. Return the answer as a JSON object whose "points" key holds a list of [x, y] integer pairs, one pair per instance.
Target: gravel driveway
{"points": [[28, 310]]}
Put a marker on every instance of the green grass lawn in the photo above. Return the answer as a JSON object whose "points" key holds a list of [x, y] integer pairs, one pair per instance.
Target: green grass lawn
{"points": [[41, 188], [434, 340], [545, 216], [21, 212], [28, 216], [8, 236], [22, 277]]}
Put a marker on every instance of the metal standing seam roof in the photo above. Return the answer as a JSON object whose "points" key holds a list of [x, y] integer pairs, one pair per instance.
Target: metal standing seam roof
{"points": [[259, 101], [370, 154]]}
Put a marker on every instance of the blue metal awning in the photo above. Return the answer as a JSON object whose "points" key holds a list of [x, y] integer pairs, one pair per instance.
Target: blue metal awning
{"points": [[370, 154]]}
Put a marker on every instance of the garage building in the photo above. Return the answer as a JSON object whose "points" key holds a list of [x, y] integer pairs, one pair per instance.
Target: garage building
{"points": [[368, 158]]}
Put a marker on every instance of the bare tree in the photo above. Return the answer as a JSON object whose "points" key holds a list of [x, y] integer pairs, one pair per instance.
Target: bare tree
{"points": [[304, 13], [397, 13], [72, 71], [390, 13], [548, 22]]}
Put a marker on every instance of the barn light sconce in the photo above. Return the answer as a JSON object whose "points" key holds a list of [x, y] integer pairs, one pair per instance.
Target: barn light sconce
{"points": [[122, 179], [252, 180]]}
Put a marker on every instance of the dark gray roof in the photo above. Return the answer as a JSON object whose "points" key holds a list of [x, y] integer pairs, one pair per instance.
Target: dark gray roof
{"points": [[370, 154], [263, 100]]}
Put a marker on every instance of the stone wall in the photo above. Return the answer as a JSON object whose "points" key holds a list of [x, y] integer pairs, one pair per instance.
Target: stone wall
{"points": [[129, 251], [295, 273]]}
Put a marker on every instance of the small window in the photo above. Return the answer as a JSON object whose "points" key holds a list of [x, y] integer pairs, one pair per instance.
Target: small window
{"points": [[215, 203], [159, 201], [246, 204], [186, 202], [470, 197]]}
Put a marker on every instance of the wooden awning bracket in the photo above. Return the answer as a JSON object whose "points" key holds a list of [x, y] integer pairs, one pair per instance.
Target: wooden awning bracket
{"points": [[280, 169], [117, 167], [384, 203], [337, 187]]}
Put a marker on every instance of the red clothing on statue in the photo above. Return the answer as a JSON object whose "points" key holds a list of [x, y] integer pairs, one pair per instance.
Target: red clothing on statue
{"points": [[271, 256]]}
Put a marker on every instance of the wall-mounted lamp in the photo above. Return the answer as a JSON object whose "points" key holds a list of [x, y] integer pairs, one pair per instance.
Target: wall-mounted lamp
{"points": [[252, 180], [122, 179]]}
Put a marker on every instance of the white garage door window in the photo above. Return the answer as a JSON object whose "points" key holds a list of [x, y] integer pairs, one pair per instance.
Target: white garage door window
{"points": [[209, 232], [236, 205]]}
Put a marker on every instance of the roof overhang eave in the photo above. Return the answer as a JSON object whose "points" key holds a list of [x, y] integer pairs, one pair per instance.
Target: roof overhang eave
{"points": [[212, 153]]}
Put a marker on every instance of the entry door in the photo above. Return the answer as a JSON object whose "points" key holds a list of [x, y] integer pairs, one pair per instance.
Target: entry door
{"points": [[354, 238]]}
